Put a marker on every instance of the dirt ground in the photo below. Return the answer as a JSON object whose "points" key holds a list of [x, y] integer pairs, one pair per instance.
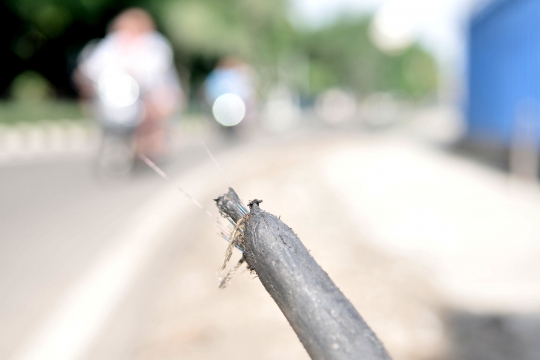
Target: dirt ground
{"points": [[399, 227], [438, 253], [176, 310]]}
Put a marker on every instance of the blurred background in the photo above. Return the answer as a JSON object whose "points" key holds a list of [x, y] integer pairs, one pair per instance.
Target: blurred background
{"points": [[398, 138]]}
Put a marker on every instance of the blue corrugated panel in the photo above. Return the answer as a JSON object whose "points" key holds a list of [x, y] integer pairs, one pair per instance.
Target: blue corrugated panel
{"points": [[503, 67]]}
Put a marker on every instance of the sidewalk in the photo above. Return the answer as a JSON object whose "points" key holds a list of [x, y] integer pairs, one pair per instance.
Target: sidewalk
{"points": [[476, 228]]}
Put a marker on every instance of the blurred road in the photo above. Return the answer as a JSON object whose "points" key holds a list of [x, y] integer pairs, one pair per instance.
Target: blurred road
{"points": [[56, 219], [128, 270]]}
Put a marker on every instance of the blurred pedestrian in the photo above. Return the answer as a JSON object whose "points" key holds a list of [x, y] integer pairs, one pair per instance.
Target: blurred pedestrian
{"points": [[232, 76], [133, 46]]}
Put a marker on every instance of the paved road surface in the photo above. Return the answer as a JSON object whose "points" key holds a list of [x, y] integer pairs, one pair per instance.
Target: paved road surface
{"points": [[56, 218], [379, 213]]}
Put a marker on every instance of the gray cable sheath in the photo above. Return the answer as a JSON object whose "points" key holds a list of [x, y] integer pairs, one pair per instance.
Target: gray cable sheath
{"points": [[325, 321]]}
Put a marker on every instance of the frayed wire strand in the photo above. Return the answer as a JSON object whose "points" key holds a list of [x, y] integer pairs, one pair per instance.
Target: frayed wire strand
{"points": [[225, 281], [166, 177], [216, 163], [224, 228]]}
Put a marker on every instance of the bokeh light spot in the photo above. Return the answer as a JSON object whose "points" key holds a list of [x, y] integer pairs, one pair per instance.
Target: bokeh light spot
{"points": [[229, 109]]}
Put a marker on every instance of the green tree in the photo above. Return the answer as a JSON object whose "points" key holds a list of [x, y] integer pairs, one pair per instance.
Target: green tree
{"points": [[202, 31], [342, 54]]}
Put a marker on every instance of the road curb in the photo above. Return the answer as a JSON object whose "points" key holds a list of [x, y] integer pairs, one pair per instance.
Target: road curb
{"points": [[46, 139]]}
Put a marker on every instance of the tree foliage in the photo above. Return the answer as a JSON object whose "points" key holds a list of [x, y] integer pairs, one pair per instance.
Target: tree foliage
{"points": [[46, 35], [344, 55]]}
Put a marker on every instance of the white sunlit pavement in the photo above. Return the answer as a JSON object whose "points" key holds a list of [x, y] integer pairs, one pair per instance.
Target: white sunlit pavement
{"points": [[474, 227], [404, 230]]}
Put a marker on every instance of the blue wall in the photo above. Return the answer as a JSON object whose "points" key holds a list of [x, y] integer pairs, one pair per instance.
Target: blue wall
{"points": [[503, 68]]}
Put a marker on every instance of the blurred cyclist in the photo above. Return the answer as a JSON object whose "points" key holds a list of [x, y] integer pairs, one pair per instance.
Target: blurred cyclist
{"points": [[232, 76], [133, 46]]}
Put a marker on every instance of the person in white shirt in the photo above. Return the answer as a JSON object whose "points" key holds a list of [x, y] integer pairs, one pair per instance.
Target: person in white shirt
{"points": [[134, 47]]}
